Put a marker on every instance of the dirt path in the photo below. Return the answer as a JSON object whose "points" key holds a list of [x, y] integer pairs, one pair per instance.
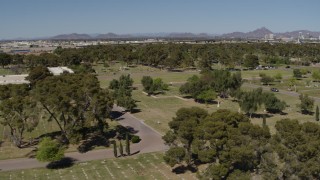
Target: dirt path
{"points": [[151, 142]]}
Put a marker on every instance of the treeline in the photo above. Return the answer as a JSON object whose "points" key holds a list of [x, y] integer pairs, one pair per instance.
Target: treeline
{"points": [[175, 55], [231, 147]]}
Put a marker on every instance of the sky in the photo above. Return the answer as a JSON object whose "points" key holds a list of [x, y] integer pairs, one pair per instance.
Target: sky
{"points": [[44, 18]]}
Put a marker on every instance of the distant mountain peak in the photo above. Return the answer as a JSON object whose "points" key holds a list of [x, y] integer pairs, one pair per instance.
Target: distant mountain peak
{"points": [[72, 36], [262, 30], [258, 33]]}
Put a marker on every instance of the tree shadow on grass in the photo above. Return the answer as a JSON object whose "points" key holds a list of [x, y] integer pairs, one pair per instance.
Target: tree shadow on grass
{"points": [[94, 139], [255, 115], [187, 97], [182, 169], [208, 103], [63, 163], [135, 110]]}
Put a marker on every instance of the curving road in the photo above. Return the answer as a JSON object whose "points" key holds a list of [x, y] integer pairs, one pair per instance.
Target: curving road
{"points": [[151, 141]]}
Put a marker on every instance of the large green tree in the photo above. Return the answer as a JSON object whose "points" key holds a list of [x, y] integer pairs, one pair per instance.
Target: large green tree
{"points": [[37, 74], [74, 101], [21, 115], [183, 126], [306, 105], [5, 59], [297, 147], [251, 61], [226, 141], [153, 86], [122, 90]]}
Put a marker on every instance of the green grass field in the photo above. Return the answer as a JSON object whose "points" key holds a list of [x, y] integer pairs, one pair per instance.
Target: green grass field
{"points": [[144, 166]]}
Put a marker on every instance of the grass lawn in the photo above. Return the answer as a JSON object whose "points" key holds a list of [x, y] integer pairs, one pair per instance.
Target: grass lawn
{"points": [[144, 166], [271, 72], [8, 71], [157, 112], [138, 72]]}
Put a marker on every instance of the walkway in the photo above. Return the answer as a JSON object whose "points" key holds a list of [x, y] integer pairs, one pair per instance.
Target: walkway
{"points": [[151, 142]]}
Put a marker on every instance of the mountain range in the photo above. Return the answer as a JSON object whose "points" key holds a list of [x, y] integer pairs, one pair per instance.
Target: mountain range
{"points": [[256, 34]]}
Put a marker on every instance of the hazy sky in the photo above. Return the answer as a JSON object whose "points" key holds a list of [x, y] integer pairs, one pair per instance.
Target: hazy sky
{"points": [[39, 18]]}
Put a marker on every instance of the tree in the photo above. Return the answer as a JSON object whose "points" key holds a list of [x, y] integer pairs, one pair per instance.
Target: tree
{"points": [[121, 148], [273, 104], [251, 61], [278, 77], [296, 146], [250, 101], [306, 104], [174, 156], [317, 113], [226, 141], [266, 80], [220, 81], [49, 150], [316, 75], [293, 82], [37, 74], [297, 73], [147, 83], [123, 92], [127, 144], [183, 126], [73, 101], [5, 59], [159, 85], [20, 113], [115, 150], [207, 96], [152, 86]]}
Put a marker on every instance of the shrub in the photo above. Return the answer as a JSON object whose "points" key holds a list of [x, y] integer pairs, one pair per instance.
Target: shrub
{"points": [[135, 139]]}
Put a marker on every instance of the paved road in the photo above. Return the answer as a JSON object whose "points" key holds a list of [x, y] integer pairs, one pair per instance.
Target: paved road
{"points": [[151, 142], [290, 93]]}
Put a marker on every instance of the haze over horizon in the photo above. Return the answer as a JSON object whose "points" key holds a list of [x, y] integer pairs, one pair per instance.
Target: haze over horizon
{"points": [[38, 18]]}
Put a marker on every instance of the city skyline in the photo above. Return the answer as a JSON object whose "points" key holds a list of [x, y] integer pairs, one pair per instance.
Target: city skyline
{"points": [[37, 18]]}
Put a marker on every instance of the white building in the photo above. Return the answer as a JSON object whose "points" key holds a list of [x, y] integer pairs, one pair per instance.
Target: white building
{"points": [[60, 70]]}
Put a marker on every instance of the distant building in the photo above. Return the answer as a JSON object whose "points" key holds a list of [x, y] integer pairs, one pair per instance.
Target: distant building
{"points": [[269, 37], [20, 51], [60, 70], [14, 79]]}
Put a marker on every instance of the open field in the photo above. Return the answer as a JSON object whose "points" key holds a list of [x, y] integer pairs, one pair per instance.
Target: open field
{"points": [[144, 166]]}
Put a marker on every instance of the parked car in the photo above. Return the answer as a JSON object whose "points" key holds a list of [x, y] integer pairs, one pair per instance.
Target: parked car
{"points": [[274, 90]]}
